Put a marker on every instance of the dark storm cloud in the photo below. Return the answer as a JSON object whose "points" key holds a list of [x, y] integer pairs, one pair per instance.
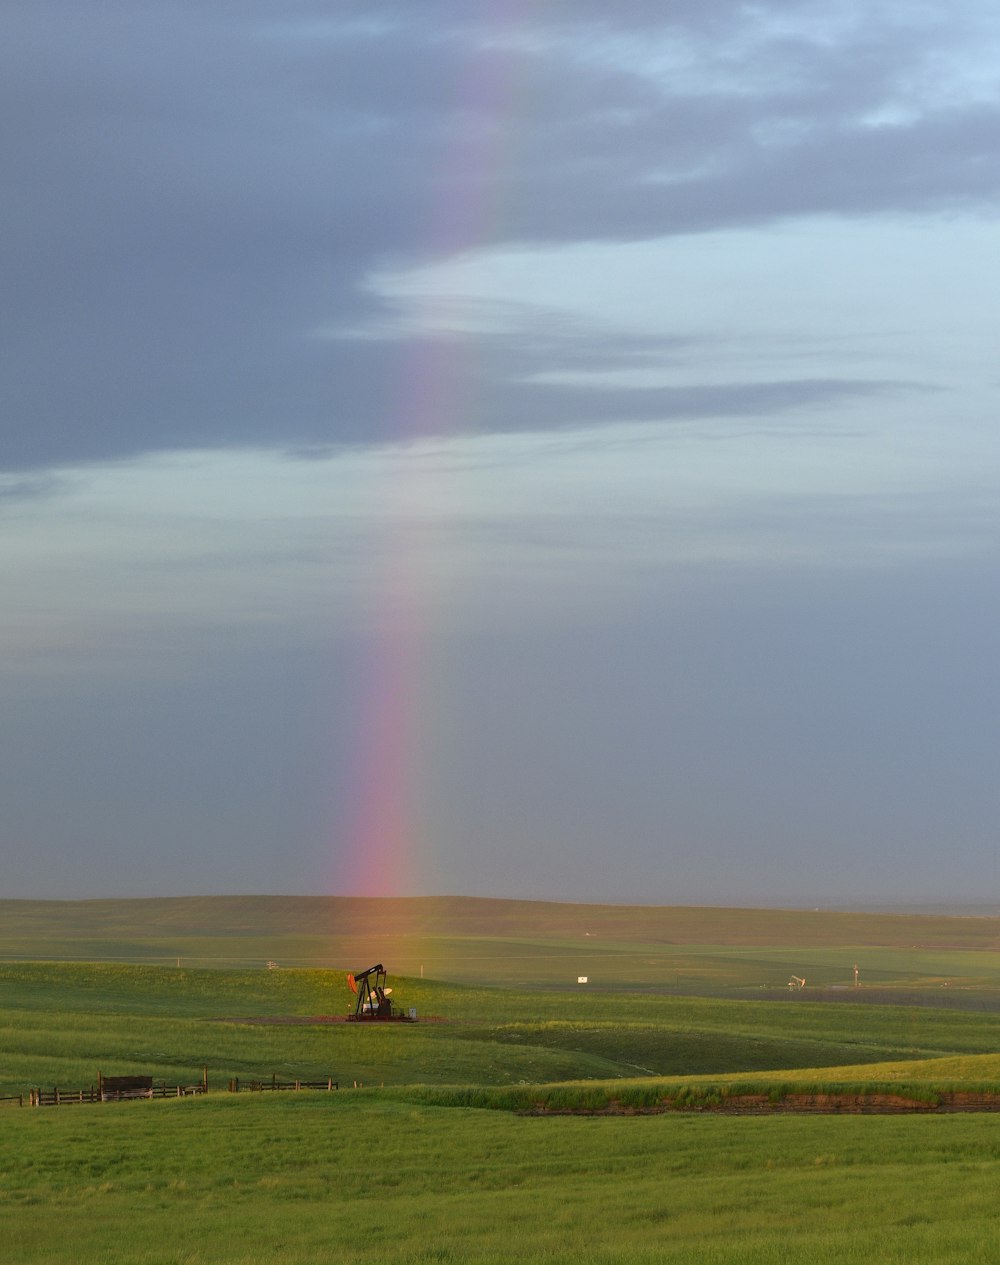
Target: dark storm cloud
{"points": [[191, 191]]}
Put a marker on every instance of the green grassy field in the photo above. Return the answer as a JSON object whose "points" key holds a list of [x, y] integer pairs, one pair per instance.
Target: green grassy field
{"points": [[517, 943], [318, 1178], [61, 1023], [429, 1159]]}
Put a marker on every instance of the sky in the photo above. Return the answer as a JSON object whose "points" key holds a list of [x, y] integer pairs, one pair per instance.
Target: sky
{"points": [[529, 449]]}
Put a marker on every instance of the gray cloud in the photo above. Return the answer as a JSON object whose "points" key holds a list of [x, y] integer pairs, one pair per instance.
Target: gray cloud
{"points": [[746, 657], [29, 487], [192, 190], [791, 738]]}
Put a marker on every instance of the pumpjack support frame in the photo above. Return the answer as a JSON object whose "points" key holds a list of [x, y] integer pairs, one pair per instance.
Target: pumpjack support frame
{"points": [[372, 1004]]}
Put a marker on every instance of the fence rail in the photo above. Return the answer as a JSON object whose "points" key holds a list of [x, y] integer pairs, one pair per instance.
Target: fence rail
{"points": [[260, 1086], [112, 1089], [58, 1097]]}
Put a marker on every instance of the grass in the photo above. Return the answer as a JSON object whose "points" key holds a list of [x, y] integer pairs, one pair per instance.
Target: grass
{"points": [[61, 1023], [430, 1160], [241, 1181], [517, 943], [222, 918]]}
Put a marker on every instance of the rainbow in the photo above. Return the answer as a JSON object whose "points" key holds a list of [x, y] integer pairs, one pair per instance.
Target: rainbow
{"points": [[379, 848]]}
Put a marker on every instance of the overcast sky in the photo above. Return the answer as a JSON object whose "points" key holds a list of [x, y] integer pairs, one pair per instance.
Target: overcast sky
{"points": [[532, 449]]}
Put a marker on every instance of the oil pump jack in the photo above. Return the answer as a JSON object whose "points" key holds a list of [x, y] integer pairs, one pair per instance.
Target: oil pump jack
{"points": [[373, 1002]]}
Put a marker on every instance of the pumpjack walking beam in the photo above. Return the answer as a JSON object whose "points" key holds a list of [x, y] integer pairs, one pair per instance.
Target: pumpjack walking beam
{"points": [[369, 988]]}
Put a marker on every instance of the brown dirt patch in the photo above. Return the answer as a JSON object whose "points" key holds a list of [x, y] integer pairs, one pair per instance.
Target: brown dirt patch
{"points": [[308, 1019], [803, 1104]]}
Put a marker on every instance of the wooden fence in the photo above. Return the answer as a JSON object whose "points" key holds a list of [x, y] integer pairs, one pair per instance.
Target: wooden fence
{"points": [[257, 1087], [57, 1097], [122, 1088]]}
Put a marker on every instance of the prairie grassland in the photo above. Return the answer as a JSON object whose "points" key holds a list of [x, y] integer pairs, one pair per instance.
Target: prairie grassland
{"points": [[466, 918], [243, 1181], [60, 1024], [517, 943], [412, 1168]]}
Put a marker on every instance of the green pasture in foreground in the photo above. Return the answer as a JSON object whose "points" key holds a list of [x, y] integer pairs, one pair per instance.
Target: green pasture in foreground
{"points": [[301, 1179]]}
